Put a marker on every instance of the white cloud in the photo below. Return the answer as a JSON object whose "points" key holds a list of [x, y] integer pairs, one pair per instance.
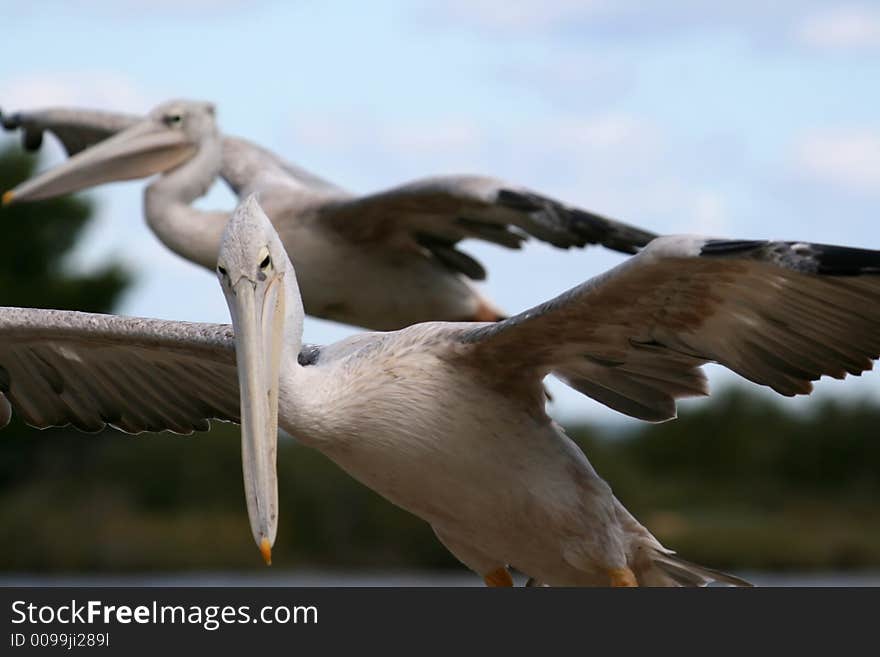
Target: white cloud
{"points": [[100, 89], [532, 152], [446, 135], [571, 79], [368, 152], [426, 137], [616, 132], [617, 164], [709, 214], [451, 136], [852, 27], [525, 15], [198, 5], [849, 159], [816, 24], [203, 10], [617, 18], [326, 131]]}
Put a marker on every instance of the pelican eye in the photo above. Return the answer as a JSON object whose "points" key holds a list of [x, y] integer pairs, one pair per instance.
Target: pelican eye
{"points": [[173, 119], [265, 260]]}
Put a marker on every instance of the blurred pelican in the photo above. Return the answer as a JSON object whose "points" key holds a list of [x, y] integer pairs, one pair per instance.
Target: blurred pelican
{"points": [[383, 261], [447, 420]]}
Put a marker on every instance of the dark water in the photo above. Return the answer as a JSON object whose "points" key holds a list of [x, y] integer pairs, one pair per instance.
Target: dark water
{"points": [[396, 578]]}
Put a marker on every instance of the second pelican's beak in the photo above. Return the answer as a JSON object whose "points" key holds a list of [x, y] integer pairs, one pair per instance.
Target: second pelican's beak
{"points": [[257, 310], [142, 150]]}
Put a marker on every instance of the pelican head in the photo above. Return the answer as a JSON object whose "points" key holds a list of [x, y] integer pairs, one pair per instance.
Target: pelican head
{"points": [[255, 273], [170, 135]]}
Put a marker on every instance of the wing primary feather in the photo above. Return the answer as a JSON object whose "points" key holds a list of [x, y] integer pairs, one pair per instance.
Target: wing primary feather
{"points": [[31, 395], [622, 393], [499, 234], [565, 227], [823, 259], [451, 257], [90, 392]]}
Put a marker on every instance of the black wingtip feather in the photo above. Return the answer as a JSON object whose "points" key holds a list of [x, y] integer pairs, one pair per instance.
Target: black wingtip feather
{"points": [[445, 252], [824, 259], [730, 247], [565, 227], [845, 261], [31, 140], [519, 200]]}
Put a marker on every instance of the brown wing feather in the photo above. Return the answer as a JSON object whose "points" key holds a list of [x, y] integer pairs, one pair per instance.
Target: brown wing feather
{"points": [[780, 314]]}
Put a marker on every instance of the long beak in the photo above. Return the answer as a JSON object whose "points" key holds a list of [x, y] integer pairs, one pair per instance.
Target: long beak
{"points": [[258, 322], [140, 151]]}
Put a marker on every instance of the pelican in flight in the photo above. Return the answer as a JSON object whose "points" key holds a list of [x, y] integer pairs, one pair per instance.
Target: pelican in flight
{"points": [[382, 261], [447, 419]]}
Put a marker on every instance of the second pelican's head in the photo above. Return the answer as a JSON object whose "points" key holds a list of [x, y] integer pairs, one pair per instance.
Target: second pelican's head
{"points": [[260, 288], [169, 135]]}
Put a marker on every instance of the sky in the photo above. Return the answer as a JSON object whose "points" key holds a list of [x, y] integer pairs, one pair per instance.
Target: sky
{"points": [[753, 120]]}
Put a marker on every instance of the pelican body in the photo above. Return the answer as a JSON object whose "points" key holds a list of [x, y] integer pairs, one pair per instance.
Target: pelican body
{"points": [[382, 261], [447, 420]]}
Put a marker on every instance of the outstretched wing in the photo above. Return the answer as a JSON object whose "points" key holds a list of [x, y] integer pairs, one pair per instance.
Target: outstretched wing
{"points": [[75, 128], [437, 213], [781, 314], [87, 370]]}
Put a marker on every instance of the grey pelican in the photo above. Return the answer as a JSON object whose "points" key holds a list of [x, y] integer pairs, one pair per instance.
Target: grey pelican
{"points": [[447, 419], [382, 261]]}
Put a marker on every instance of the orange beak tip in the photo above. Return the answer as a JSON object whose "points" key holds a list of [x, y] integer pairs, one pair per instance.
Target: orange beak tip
{"points": [[7, 197], [266, 551]]}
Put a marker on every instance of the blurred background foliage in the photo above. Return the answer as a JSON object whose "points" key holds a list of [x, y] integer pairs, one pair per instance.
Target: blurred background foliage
{"points": [[37, 238], [738, 482]]}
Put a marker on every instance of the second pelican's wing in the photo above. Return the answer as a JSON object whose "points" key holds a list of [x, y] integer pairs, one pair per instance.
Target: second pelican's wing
{"points": [[435, 214], [75, 128]]}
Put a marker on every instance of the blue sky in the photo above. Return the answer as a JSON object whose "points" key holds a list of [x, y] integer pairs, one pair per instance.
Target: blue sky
{"points": [[746, 120]]}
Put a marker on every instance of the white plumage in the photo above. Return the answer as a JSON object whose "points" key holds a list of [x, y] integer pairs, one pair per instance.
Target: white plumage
{"points": [[447, 420]]}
